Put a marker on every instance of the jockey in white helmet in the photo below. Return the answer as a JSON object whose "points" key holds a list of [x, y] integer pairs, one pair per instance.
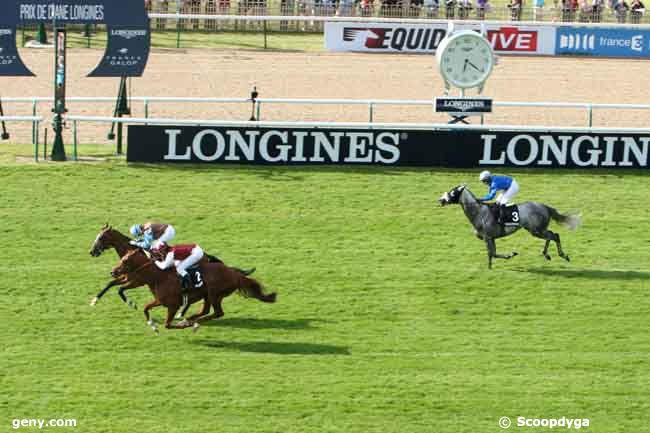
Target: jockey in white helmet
{"points": [[152, 234], [507, 184]]}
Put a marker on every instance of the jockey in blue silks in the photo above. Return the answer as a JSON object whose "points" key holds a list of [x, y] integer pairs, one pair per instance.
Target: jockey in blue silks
{"points": [[507, 184], [151, 234]]}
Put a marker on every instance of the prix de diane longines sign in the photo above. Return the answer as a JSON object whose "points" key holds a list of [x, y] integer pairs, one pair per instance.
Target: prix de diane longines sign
{"points": [[127, 25]]}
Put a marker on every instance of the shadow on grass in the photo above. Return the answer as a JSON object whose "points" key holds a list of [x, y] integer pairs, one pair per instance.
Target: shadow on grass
{"points": [[252, 323], [592, 273], [278, 172], [277, 348]]}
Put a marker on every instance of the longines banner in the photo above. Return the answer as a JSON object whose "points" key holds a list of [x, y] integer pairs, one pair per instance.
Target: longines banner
{"points": [[300, 146], [424, 38]]}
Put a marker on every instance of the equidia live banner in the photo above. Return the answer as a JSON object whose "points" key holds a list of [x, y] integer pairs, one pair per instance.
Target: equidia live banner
{"points": [[385, 147], [424, 38]]}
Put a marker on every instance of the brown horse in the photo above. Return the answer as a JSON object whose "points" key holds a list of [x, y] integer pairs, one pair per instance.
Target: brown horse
{"points": [[219, 281], [111, 238]]}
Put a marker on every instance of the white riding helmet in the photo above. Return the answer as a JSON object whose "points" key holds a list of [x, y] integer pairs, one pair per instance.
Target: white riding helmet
{"points": [[485, 175], [136, 230]]}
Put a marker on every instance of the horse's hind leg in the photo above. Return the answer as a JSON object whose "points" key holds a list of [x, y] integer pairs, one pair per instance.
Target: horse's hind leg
{"points": [[205, 310], [550, 236], [218, 311], [560, 252], [171, 312]]}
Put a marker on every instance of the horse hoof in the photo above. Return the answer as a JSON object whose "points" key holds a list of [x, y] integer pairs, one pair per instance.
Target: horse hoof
{"points": [[547, 257], [566, 258], [195, 327], [184, 323], [93, 301], [514, 254]]}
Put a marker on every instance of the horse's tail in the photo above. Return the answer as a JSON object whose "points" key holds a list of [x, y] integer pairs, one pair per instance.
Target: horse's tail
{"points": [[571, 221], [251, 288]]}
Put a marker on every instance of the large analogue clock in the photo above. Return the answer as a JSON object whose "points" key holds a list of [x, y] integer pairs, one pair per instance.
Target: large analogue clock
{"points": [[465, 59]]}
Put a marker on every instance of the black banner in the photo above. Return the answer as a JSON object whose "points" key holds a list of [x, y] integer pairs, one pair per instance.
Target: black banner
{"points": [[127, 25], [126, 53], [448, 148], [463, 105], [10, 62], [116, 12]]}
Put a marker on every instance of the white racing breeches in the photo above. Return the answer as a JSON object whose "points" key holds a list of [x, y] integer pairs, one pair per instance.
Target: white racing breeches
{"points": [[167, 236], [182, 265], [509, 194]]}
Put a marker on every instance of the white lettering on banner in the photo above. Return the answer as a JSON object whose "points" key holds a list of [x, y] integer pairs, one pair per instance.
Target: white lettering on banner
{"points": [[300, 143], [559, 152], [640, 154], [27, 12], [61, 12], [594, 151], [321, 141], [171, 146], [284, 148], [389, 147], [609, 152], [487, 152], [532, 153], [582, 151], [198, 141], [247, 147], [358, 142], [278, 146]]}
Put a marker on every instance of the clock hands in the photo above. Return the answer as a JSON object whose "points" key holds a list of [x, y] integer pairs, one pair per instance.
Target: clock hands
{"points": [[467, 62]]}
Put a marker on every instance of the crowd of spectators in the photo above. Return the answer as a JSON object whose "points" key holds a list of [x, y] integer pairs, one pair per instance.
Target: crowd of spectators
{"points": [[538, 10]]}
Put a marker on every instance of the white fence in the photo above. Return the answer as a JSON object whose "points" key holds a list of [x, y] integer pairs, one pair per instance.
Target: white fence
{"points": [[258, 103], [371, 104]]}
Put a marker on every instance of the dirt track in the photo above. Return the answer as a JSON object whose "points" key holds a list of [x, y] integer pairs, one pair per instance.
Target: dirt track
{"points": [[230, 73]]}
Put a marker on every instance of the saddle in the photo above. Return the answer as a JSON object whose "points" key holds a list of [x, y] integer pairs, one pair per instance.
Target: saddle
{"points": [[510, 216]]}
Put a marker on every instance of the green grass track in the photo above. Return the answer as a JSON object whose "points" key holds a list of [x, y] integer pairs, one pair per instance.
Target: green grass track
{"points": [[387, 318]]}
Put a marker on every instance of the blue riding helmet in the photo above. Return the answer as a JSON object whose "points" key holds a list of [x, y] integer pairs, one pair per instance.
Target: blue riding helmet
{"points": [[136, 230]]}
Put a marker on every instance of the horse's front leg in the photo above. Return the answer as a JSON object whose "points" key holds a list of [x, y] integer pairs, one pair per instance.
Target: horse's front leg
{"points": [[114, 282], [150, 321], [492, 252], [130, 284], [126, 300]]}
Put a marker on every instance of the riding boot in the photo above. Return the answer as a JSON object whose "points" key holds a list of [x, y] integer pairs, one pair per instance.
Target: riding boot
{"points": [[186, 283], [185, 288], [502, 213]]}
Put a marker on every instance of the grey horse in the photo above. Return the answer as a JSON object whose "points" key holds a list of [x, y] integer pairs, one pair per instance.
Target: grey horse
{"points": [[534, 217]]}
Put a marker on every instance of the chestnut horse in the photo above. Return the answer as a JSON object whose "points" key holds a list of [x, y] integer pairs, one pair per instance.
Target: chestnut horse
{"points": [[111, 238], [219, 281]]}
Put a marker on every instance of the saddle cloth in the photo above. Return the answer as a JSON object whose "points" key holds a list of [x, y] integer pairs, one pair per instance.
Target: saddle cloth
{"points": [[510, 214], [195, 275]]}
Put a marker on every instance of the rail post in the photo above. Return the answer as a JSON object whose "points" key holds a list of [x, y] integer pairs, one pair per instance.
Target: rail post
{"points": [[74, 139]]}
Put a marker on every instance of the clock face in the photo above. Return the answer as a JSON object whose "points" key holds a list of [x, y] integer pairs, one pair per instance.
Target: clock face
{"points": [[466, 59]]}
